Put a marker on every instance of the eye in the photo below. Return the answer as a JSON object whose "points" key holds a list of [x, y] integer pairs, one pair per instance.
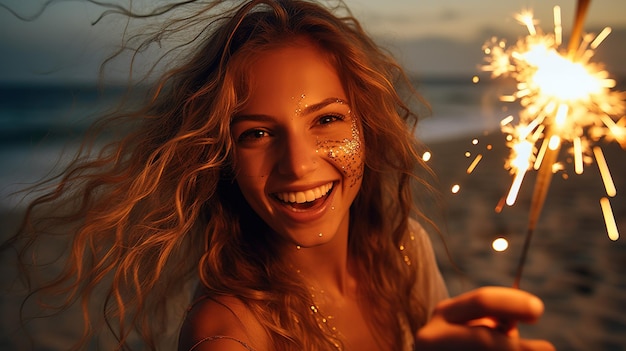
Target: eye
{"points": [[330, 118], [253, 135]]}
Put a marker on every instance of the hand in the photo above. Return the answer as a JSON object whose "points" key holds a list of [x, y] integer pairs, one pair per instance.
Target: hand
{"points": [[482, 319]]}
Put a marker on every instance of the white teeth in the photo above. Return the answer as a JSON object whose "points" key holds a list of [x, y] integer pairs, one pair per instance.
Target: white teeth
{"points": [[305, 196]]}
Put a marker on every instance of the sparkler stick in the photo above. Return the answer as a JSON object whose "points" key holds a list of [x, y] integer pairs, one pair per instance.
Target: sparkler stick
{"points": [[545, 172], [540, 192], [581, 11]]}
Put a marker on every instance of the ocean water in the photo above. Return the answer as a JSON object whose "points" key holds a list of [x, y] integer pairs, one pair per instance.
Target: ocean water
{"points": [[40, 130]]}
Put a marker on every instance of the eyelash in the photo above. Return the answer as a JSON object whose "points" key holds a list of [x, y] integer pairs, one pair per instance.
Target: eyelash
{"points": [[335, 117], [252, 134]]}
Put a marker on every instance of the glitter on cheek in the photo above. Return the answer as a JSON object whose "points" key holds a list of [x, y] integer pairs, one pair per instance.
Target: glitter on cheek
{"points": [[346, 153]]}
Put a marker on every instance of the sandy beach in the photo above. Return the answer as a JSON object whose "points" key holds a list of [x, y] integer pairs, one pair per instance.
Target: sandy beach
{"points": [[572, 265]]}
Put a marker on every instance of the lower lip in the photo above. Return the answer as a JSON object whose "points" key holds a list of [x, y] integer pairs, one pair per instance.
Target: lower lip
{"points": [[306, 215]]}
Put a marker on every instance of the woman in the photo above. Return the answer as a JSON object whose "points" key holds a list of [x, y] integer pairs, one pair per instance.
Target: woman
{"points": [[275, 167]]}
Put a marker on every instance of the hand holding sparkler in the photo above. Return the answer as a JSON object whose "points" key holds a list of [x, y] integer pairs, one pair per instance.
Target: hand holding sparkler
{"points": [[468, 322]]}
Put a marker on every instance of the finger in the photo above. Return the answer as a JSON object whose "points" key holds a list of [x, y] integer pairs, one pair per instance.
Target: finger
{"points": [[479, 339], [500, 303], [461, 337], [535, 345], [507, 327]]}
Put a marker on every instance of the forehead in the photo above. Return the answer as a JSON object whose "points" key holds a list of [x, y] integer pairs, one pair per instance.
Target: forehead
{"points": [[297, 73]]}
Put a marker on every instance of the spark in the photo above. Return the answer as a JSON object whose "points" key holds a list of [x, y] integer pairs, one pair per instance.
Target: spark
{"points": [[558, 27], [520, 161], [566, 99], [609, 219], [474, 163], [568, 106], [455, 188], [526, 18], [605, 172], [500, 244]]}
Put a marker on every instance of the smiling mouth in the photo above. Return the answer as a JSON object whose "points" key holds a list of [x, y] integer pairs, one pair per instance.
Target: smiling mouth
{"points": [[304, 198]]}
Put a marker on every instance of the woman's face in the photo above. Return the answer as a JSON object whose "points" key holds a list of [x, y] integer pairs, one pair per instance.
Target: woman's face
{"points": [[298, 152]]}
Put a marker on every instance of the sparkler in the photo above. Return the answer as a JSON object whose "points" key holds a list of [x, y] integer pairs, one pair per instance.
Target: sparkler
{"points": [[567, 100]]}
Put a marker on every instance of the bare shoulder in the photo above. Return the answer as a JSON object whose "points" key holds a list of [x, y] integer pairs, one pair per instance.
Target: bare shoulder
{"points": [[223, 323]]}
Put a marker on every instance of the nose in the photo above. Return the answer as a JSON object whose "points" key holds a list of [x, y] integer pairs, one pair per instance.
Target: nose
{"points": [[297, 156]]}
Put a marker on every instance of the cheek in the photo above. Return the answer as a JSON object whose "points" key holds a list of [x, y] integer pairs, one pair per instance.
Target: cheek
{"points": [[346, 154], [250, 164], [251, 178]]}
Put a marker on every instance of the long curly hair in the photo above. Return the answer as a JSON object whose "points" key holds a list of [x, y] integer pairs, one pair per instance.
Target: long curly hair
{"points": [[159, 208]]}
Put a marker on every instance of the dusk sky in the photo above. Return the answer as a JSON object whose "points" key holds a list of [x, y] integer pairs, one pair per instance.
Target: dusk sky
{"points": [[430, 37]]}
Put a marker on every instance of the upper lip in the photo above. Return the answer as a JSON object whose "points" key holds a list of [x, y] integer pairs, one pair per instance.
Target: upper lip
{"points": [[304, 194]]}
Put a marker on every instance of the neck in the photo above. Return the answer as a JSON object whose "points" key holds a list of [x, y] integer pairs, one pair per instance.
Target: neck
{"points": [[324, 267]]}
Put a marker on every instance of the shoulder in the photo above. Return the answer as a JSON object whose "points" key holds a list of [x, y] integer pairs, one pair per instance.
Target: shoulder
{"points": [[419, 238], [419, 246], [223, 323], [430, 286]]}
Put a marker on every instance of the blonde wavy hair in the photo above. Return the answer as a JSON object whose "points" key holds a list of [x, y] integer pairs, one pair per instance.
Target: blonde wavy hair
{"points": [[160, 208]]}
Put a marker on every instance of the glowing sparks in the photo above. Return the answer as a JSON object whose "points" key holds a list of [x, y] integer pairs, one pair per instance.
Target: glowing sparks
{"points": [[455, 188], [604, 171], [526, 18], [474, 163], [426, 156], [500, 244], [578, 156], [609, 219], [558, 28], [567, 104], [519, 162]]}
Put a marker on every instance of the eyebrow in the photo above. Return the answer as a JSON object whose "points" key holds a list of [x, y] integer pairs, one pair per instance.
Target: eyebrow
{"points": [[309, 109], [320, 105]]}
